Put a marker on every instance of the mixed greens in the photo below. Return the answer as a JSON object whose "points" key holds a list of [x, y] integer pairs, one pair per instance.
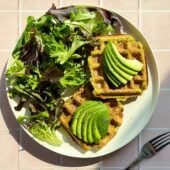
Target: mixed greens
{"points": [[50, 59]]}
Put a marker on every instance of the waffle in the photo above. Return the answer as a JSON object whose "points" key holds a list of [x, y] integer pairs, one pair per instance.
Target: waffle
{"points": [[83, 94], [129, 48]]}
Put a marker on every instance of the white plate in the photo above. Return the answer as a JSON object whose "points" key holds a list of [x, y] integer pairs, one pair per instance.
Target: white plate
{"points": [[136, 114]]}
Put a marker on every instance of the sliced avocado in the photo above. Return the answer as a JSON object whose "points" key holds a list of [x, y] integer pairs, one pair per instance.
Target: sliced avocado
{"points": [[76, 115], [95, 132], [110, 58], [102, 122], [113, 71], [111, 77], [85, 123], [132, 64], [83, 112], [119, 64]]}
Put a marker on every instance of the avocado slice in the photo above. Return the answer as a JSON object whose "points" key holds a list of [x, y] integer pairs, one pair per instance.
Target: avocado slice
{"points": [[83, 112], [111, 77], [111, 63], [132, 64], [86, 134], [113, 71], [95, 131], [102, 122], [119, 64], [92, 133], [87, 122], [74, 121]]}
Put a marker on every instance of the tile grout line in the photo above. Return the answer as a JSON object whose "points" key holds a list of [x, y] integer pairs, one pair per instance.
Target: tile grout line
{"points": [[140, 15], [100, 3], [20, 17], [59, 3]]}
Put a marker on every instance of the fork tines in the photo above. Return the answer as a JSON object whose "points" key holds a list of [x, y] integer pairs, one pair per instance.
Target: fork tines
{"points": [[160, 141]]}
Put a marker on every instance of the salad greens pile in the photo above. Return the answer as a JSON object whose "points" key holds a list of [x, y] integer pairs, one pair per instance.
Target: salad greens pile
{"points": [[50, 58]]}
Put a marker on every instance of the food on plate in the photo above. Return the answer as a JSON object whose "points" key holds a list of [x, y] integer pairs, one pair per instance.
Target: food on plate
{"points": [[83, 102], [70, 68], [131, 80]]}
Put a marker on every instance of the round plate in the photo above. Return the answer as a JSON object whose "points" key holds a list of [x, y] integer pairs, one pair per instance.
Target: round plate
{"points": [[136, 114]]}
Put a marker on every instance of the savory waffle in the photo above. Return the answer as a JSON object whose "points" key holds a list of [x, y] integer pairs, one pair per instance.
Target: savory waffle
{"points": [[76, 100], [128, 48]]}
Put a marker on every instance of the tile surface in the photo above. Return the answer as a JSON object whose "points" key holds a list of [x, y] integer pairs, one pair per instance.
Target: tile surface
{"points": [[10, 149], [78, 2], [155, 4], [20, 152], [157, 33], [11, 5], [120, 4], [37, 4], [9, 27], [163, 67]]}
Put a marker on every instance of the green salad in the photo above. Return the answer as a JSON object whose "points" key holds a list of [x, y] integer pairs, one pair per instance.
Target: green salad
{"points": [[50, 59]]}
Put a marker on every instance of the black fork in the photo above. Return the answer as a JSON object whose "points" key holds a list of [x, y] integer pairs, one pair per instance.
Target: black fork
{"points": [[151, 148]]}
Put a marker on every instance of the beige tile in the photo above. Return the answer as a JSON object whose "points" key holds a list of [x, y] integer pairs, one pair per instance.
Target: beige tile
{"points": [[24, 16], [132, 17], [120, 4], [155, 27], [9, 149], [161, 116], [4, 55], [127, 154], [79, 2], [34, 155], [88, 167], [163, 67], [8, 30], [9, 168], [160, 160], [7, 119], [37, 4], [155, 4], [73, 162], [41, 168], [8, 5], [67, 168]]}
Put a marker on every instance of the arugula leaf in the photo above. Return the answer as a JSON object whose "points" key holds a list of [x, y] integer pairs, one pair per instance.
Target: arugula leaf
{"points": [[73, 75], [88, 23], [40, 129], [61, 52], [44, 133], [82, 14], [16, 69]]}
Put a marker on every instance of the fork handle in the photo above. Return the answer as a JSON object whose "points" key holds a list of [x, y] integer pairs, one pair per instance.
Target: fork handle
{"points": [[136, 161]]}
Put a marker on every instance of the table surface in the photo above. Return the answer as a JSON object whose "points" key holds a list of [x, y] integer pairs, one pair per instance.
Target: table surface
{"points": [[19, 152]]}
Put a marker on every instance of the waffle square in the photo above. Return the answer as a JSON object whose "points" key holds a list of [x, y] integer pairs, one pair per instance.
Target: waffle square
{"points": [[128, 48], [83, 94]]}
